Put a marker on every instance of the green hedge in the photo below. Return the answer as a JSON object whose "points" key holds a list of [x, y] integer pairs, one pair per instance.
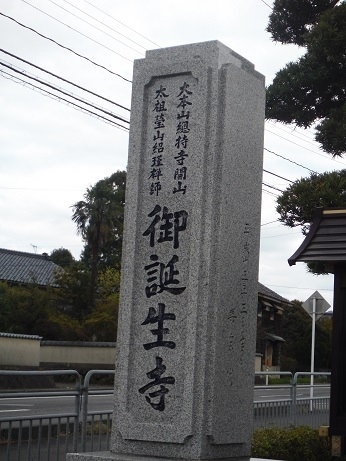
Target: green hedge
{"points": [[300, 443]]}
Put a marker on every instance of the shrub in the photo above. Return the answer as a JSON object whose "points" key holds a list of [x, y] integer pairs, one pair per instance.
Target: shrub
{"points": [[291, 444]]}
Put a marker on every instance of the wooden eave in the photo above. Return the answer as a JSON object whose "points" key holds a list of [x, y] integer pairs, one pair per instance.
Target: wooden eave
{"points": [[326, 240]]}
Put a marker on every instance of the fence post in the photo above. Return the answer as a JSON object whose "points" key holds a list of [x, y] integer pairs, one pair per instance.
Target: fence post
{"points": [[294, 398], [77, 409], [85, 399]]}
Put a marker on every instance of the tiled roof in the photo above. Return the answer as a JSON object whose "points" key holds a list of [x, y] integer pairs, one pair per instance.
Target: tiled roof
{"points": [[20, 267], [267, 292], [14, 335], [326, 240]]}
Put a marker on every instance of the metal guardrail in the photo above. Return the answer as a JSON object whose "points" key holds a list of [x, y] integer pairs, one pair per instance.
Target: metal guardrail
{"points": [[48, 437], [278, 412], [313, 410], [293, 410], [104, 419], [32, 437]]}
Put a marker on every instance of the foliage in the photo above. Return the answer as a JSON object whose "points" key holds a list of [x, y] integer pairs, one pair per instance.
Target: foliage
{"points": [[291, 444], [59, 313], [101, 324], [297, 204], [84, 305], [296, 351], [302, 379], [73, 282], [99, 219], [63, 327], [62, 257], [291, 20], [313, 89], [25, 309]]}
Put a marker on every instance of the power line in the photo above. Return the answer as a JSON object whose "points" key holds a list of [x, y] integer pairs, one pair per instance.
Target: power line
{"points": [[112, 17], [16, 79], [285, 158], [278, 176], [271, 187], [95, 94], [279, 235], [270, 222], [65, 93], [290, 132], [301, 288], [75, 30], [98, 108], [306, 148], [108, 113], [35, 189], [126, 80], [65, 47], [267, 4], [63, 79], [89, 24], [103, 23], [270, 193]]}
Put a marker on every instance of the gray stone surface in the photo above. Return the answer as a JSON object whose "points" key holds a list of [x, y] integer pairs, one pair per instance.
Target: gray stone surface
{"points": [[107, 456], [190, 256]]}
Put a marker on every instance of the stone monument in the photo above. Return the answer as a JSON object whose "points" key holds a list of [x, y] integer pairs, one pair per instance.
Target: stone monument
{"points": [[187, 329]]}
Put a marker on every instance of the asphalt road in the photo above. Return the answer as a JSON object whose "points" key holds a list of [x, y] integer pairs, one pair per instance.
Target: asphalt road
{"points": [[14, 408], [279, 393], [31, 406]]}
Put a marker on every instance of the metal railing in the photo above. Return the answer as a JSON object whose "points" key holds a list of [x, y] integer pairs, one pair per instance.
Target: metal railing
{"points": [[295, 408], [37, 437], [49, 436], [311, 411], [91, 419]]}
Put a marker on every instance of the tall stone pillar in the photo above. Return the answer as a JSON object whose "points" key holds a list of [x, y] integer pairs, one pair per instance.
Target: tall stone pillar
{"points": [[187, 328]]}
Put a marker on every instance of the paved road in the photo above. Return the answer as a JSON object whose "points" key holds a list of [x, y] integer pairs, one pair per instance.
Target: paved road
{"points": [[31, 406], [279, 393]]}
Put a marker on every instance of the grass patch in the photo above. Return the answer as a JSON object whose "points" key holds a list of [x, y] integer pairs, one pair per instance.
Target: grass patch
{"points": [[301, 380], [300, 443]]}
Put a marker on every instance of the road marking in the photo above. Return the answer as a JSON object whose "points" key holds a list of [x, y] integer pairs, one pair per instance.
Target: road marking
{"points": [[13, 405], [39, 397], [270, 396], [19, 409]]}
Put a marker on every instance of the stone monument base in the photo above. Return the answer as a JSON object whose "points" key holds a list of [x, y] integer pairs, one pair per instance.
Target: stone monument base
{"points": [[108, 456]]}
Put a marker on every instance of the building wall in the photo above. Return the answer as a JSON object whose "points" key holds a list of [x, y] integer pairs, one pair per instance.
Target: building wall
{"points": [[269, 321], [29, 351], [258, 362], [19, 351], [80, 355]]}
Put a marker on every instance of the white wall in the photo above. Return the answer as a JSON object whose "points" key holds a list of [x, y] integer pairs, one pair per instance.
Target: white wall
{"points": [[19, 351]]}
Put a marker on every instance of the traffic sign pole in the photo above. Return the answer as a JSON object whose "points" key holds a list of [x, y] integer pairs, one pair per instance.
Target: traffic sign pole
{"points": [[315, 306], [312, 351]]}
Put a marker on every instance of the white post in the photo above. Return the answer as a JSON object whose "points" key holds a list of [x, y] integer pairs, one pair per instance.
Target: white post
{"points": [[312, 351]]}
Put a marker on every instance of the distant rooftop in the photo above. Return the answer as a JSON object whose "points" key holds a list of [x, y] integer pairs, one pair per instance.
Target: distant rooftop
{"points": [[267, 292], [14, 335], [20, 267]]}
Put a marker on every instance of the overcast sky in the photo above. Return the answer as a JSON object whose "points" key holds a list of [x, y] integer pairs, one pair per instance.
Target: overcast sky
{"points": [[51, 152]]}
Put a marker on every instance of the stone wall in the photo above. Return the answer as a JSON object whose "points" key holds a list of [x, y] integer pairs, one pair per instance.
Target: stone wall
{"points": [[77, 355], [30, 352], [19, 350]]}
